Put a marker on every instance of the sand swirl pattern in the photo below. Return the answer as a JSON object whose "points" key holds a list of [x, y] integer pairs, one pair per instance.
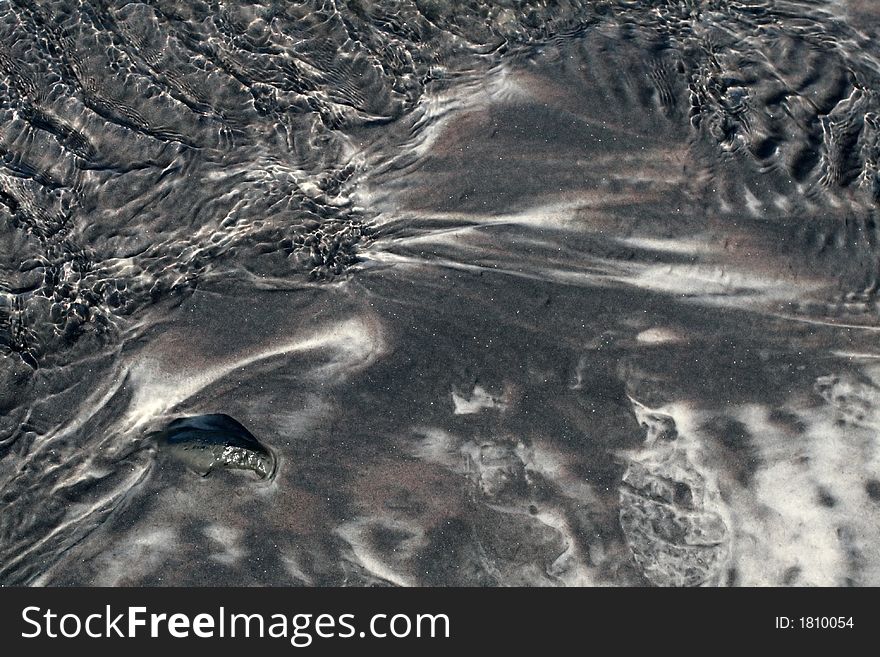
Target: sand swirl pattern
{"points": [[533, 293]]}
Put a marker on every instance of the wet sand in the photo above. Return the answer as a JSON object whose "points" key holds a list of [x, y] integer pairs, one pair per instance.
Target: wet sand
{"points": [[582, 297]]}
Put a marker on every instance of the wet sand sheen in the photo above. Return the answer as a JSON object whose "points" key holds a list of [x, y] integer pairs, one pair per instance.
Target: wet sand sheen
{"points": [[566, 296]]}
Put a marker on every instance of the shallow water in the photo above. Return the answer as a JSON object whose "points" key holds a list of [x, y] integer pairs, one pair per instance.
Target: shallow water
{"points": [[521, 293]]}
